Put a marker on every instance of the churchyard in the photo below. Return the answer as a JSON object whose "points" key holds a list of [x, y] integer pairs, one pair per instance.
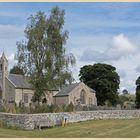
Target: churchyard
{"points": [[94, 129], [40, 97]]}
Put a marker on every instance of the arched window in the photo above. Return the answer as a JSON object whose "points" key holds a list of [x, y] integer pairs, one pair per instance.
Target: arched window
{"points": [[82, 97], [0, 93], [25, 98], [0, 66]]}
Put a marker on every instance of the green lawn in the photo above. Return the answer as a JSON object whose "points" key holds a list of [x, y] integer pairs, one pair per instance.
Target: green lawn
{"points": [[98, 128]]}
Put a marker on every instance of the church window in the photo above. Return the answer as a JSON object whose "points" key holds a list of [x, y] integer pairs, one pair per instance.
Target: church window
{"points": [[90, 101], [1, 66], [25, 98], [0, 93], [75, 101], [82, 97]]}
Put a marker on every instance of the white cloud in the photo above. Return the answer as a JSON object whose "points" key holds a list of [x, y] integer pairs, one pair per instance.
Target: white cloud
{"points": [[120, 46], [138, 68], [11, 60], [121, 73]]}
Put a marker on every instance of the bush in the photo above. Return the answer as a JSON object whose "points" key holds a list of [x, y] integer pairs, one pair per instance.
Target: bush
{"points": [[70, 107]]}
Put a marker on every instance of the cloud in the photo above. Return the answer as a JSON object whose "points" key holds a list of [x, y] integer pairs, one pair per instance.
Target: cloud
{"points": [[9, 35], [11, 60], [97, 23], [11, 31], [13, 14], [138, 68], [120, 47], [91, 55], [122, 73]]}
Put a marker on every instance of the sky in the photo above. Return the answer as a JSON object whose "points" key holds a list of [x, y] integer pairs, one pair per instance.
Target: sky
{"points": [[98, 33]]}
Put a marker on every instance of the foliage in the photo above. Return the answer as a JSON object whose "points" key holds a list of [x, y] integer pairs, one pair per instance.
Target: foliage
{"points": [[38, 109], [16, 70], [7, 108], [126, 98], [123, 99], [104, 80], [43, 55], [138, 93], [70, 107], [125, 91]]}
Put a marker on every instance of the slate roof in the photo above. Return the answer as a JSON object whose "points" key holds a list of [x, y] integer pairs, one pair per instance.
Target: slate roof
{"points": [[19, 81], [66, 90]]}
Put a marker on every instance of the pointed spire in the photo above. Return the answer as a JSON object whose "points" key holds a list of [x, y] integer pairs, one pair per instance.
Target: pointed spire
{"points": [[3, 55]]}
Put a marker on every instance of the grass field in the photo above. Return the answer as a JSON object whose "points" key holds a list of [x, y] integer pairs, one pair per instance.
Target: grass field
{"points": [[93, 129]]}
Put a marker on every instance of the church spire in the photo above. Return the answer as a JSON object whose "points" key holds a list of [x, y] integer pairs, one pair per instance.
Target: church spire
{"points": [[3, 56]]}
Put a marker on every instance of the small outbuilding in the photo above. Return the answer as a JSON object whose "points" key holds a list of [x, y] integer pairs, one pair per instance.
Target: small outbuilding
{"points": [[77, 93]]}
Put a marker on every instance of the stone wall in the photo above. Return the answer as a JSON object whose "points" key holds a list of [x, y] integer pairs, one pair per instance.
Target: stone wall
{"points": [[31, 121]]}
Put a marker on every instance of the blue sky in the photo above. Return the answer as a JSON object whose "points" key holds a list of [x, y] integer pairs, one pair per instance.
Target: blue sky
{"points": [[98, 32]]}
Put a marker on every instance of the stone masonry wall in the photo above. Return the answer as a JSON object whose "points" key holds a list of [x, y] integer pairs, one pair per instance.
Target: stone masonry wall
{"points": [[31, 121]]}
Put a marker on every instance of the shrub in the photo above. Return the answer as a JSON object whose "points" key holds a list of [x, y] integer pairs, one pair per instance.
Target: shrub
{"points": [[70, 107]]}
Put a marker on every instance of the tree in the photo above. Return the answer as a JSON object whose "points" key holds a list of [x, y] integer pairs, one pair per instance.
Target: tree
{"points": [[138, 93], [43, 55], [104, 79], [125, 91], [16, 70], [126, 98]]}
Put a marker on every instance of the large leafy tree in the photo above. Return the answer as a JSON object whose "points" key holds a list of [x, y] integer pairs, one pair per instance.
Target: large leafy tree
{"points": [[43, 55], [104, 79], [138, 93], [16, 70]]}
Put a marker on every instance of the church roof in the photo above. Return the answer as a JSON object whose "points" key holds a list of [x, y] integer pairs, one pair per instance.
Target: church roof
{"points": [[19, 81], [66, 90]]}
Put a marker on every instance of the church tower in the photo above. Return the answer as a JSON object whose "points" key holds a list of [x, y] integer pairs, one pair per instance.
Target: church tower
{"points": [[3, 75]]}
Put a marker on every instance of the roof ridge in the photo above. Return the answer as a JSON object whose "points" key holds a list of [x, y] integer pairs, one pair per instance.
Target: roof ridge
{"points": [[67, 89]]}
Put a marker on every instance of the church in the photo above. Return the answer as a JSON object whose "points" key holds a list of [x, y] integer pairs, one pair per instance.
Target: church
{"points": [[16, 89]]}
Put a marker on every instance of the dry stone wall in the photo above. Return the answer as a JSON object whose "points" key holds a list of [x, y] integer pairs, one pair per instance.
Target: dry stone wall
{"points": [[32, 121]]}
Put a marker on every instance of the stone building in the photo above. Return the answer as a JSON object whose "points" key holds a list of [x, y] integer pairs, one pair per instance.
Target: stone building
{"points": [[77, 93], [16, 89]]}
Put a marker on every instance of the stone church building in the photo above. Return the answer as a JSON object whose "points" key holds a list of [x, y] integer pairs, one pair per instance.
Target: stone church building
{"points": [[16, 89]]}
